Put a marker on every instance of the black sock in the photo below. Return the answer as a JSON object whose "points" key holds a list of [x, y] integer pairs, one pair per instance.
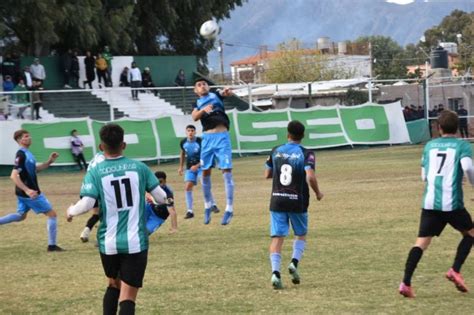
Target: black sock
{"points": [[413, 258], [92, 221], [277, 273], [295, 262], [111, 297], [464, 248], [127, 307]]}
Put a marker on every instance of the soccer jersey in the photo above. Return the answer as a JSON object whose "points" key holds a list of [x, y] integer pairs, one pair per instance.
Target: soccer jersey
{"points": [[25, 164], [442, 165], [119, 185], [290, 192], [98, 158], [192, 150], [217, 116]]}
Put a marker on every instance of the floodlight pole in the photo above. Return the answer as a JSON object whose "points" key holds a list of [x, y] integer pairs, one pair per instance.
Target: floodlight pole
{"points": [[370, 70], [221, 57]]}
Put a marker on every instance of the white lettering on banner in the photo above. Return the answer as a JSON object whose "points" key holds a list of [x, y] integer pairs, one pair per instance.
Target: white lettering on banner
{"points": [[270, 124], [323, 121], [131, 138], [325, 135], [258, 138], [65, 142], [365, 124]]}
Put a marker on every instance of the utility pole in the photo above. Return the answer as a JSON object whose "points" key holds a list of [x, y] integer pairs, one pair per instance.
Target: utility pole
{"points": [[370, 70], [221, 57]]}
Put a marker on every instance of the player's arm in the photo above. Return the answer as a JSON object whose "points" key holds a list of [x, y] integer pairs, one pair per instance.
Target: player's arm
{"points": [[423, 174], [466, 164], [46, 164], [198, 113], [82, 206], [313, 183], [227, 91], [181, 162], [268, 173], [159, 195], [15, 177]]}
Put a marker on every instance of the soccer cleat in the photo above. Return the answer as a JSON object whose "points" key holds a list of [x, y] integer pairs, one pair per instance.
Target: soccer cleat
{"points": [[55, 248], [276, 282], [85, 235], [457, 279], [293, 270], [189, 215], [406, 290], [215, 209], [207, 215], [227, 217]]}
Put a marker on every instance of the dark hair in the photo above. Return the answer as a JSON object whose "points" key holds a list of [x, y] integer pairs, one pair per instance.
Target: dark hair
{"points": [[448, 121], [296, 130], [199, 80], [73, 131], [191, 127], [19, 134], [160, 175], [112, 136]]}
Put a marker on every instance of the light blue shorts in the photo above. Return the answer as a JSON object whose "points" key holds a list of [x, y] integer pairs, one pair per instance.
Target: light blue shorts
{"points": [[153, 222], [39, 205], [216, 146], [190, 176], [280, 223]]}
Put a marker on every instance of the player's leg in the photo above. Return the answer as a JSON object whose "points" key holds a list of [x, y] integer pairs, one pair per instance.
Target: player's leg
{"points": [[20, 215], [299, 222], [279, 227], [132, 272], [173, 218], [94, 218], [206, 189], [224, 160], [156, 216], [188, 192], [42, 205], [111, 265]]}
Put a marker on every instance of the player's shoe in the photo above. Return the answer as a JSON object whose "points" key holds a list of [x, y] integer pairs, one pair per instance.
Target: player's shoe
{"points": [[457, 279], [406, 290], [227, 217], [293, 270], [276, 282], [215, 209], [55, 248], [85, 235], [207, 215], [189, 215]]}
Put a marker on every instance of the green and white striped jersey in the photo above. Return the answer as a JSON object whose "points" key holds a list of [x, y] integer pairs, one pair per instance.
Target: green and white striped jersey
{"points": [[119, 185], [442, 166]]}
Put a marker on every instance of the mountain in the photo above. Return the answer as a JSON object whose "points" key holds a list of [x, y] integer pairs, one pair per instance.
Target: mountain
{"points": [[270, 22]]}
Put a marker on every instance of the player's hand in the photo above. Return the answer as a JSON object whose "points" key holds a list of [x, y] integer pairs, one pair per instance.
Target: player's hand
{"points": [[227, 92], [53, 157], [149, 199], [319, 196], [194, 168], [169, 201], [180, 171], [68, 216], [208, 108], [32, 193]]}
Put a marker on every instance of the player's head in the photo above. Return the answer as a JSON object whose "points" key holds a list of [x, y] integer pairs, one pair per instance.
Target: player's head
{"points": [[295, 130], [161, 176], [22, 137], [201, 87], [190, 131], [74, 132], [448, 122], [111, 139]]}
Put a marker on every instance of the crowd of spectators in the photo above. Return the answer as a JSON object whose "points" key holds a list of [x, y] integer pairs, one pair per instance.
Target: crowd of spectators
{"points": [[413, 113]]}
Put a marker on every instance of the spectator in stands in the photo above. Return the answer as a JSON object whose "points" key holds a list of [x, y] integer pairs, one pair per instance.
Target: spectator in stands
{"points": [[76, 149], [8, 67], [432, 119], [407, 113], [124, 77], [66, 60], [36, 98], [21, 99], [180, 79], [8, 84], [135, 78], [108, 58], [75, 69], [101, 66], [463, 126], [89, 63], [37, 71], [440, 108], [27, 77], [421, 112], [147, 80]]}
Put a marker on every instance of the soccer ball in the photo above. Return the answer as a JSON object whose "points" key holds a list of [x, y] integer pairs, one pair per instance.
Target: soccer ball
{"points": [[209, 29]]}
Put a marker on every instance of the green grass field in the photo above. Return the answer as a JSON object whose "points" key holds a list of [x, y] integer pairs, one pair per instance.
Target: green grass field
{"points": [[358, 240]]}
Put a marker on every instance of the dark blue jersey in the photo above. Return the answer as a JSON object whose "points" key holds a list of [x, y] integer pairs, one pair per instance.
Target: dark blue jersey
{"points": [[192, 151], [217, 116], [290, 192], [169, 193], [25, 164]]}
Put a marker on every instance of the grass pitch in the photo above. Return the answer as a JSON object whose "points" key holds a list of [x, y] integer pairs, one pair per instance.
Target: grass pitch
{"points": [[359, 237]]}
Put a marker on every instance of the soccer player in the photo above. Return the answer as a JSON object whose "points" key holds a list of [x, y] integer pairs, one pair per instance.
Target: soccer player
{"points": [[27, 189], [191, 153], [161, 176], [119, 184], [209, 109], [292, 168], [443, 162]]}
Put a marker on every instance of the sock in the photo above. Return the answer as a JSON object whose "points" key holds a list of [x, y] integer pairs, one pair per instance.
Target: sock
{"points": [[275, 259], [277, 274], [464, 248], [206, 189], [110, 302], [52, 230], [298, 249], [295, 262], [127, 307], [412, 261], [92, 221], [189, 200], [9, 218], [229, 191]]}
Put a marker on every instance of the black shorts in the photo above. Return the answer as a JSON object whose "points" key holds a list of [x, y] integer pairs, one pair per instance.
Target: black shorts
{"points": [[432, 222], [130, 268], [161, 211]]}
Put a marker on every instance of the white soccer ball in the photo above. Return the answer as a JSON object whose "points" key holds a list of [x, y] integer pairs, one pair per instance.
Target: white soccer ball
{"points": [[209, 29]]}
